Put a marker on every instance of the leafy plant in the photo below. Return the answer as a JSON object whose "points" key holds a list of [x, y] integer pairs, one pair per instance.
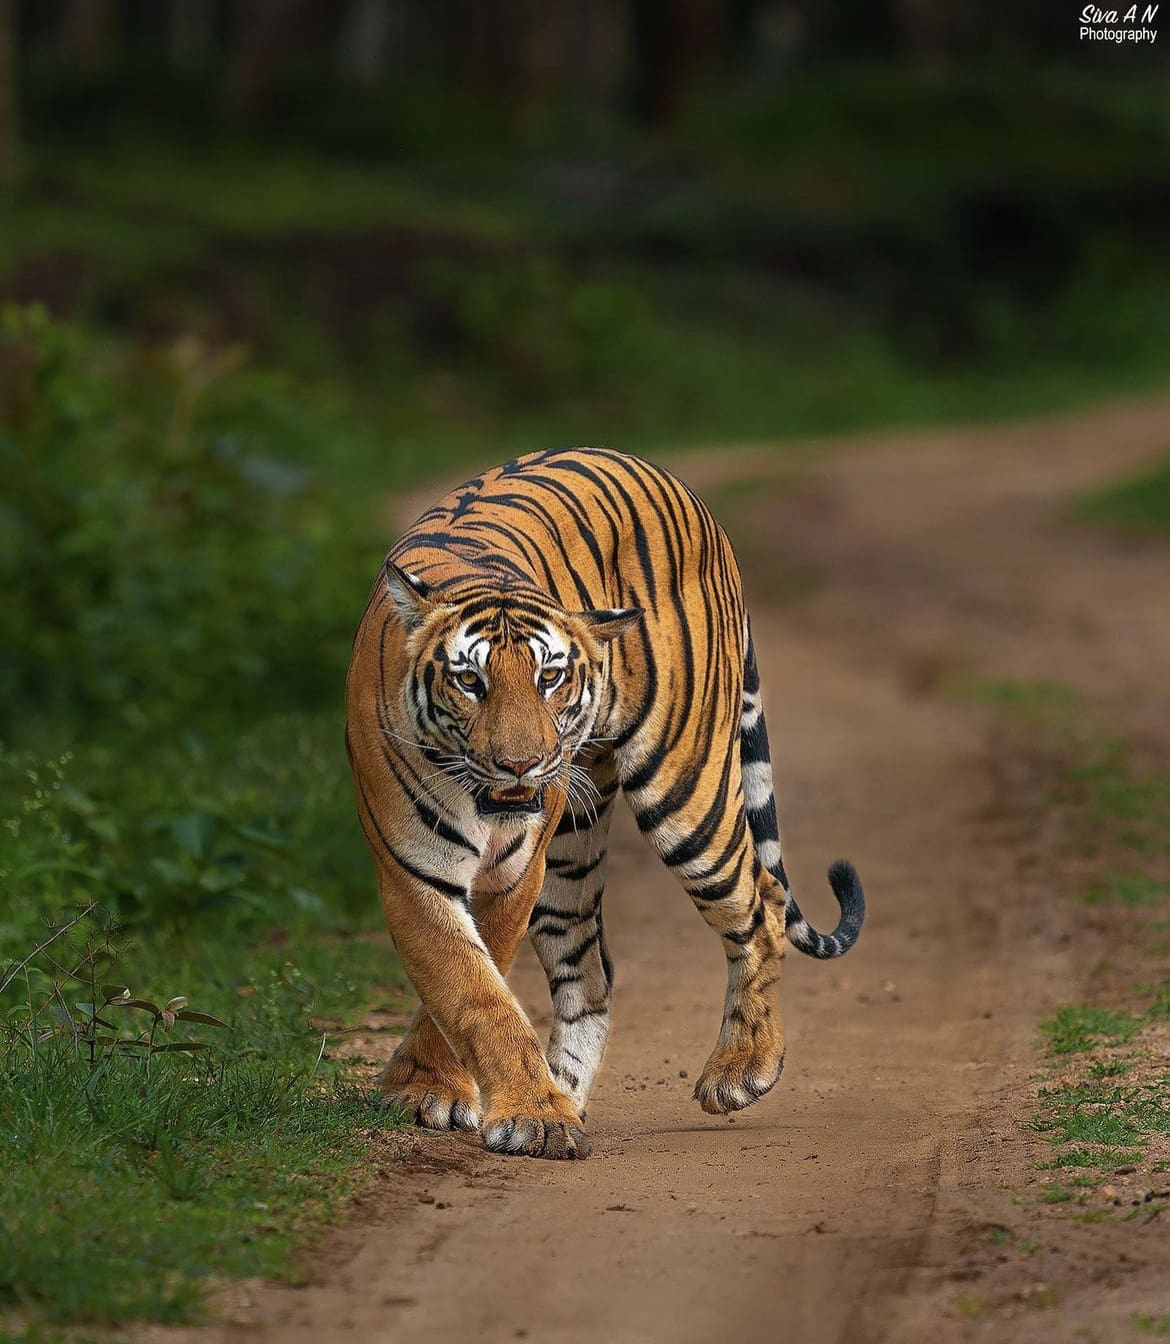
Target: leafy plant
{"points": [[49, 975], [161, 567]]}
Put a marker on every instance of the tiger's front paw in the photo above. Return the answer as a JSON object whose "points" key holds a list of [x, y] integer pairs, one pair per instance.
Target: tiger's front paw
{"points": [[552, 1131], [731, 1081]]}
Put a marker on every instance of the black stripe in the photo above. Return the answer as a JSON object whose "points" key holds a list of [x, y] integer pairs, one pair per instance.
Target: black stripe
{"points": [[575, 957], [575, 874], [430, 819], [717, 891], [508, 851], [439, 884]]}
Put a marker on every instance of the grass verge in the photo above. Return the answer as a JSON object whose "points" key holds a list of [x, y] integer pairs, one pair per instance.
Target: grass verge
{"points": [[148, 1151], [1103, 1099], [1139, 504]]}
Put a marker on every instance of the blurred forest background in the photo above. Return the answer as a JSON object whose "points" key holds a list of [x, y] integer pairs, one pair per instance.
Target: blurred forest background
{"points": [[264, 262]]}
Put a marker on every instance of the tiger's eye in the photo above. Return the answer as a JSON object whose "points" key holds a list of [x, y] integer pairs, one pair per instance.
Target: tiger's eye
{"points": [[468, 680], [550, 676]]}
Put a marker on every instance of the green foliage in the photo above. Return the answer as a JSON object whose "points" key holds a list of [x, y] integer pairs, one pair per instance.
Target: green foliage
{"points": [[206, 836], [1127, 889], [1139, 503], [1108, 1124], [1122, 799], [180, 593], [1080, 1027], [1044, 705], [137, 1165], [56, 971], [158, 563], [823, 252], [1109, 1107], [1097, 1159], [1055, 1193]]}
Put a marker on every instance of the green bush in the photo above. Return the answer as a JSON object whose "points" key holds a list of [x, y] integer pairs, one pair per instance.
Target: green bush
{"points": [[179, 597], [159, 564]]}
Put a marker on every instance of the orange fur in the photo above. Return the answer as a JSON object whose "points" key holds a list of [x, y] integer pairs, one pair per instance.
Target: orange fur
{"points": [[559, 628]]}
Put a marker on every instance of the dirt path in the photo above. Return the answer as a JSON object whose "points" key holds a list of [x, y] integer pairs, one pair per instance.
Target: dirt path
{"points": [[853, 1203]]}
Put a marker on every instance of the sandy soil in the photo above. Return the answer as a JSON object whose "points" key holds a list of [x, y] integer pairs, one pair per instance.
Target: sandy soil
{"points": [[858, 1202]]}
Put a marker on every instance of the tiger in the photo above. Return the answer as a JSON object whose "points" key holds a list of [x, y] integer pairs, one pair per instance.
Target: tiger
{"points": [[558, 630]]}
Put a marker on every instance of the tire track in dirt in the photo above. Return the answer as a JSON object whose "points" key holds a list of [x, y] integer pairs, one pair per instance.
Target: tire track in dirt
{"points": [[844, 1205]]}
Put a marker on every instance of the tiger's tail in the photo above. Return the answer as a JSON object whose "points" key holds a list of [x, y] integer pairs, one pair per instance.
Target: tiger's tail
{"points": [[760, 799]]}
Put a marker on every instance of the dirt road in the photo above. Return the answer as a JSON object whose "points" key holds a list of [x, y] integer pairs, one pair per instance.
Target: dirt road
{"points": [[853, 1203]]}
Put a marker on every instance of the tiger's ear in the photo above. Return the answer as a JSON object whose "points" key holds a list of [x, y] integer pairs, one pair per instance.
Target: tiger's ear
{"points": [[411, 595], [605, 625]]}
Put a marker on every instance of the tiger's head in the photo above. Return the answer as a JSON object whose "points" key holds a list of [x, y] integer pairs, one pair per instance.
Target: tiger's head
{"points": [[502, 687]]}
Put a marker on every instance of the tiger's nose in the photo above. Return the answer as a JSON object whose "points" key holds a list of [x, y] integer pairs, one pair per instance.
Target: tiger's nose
{"points": [[515, 767]]}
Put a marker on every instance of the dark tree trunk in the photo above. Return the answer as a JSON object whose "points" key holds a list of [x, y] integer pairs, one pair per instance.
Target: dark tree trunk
{"points": [[672, 41], [87, 34], [270, 30], [369, 30], [192, 31], [9, 95]]}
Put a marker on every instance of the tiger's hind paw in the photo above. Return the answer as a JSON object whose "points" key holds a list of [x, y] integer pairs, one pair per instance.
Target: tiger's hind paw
{"points": [[731, 1084]]}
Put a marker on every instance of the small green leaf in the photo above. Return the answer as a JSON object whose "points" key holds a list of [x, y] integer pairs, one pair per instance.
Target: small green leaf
{"points": [[138, 1003], [194, 832], [190, 1015], [268, 839], [216, 880], [105, 828], [170, 871]]}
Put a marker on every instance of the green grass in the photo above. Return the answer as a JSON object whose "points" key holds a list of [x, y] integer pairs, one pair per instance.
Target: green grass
{"points": [[1152, 1325], [1055, 1193], [1137, 889], [1094, 1121], [1043, 706], [1140, 503], [1096, 1159], [1082, 1027], [1111, 1068], [133, 1178], [1107, 1109], [1121, 802]]}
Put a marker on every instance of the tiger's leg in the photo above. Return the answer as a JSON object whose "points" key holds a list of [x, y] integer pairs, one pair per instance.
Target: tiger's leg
{"points": [[567, 933], [424, 1080], [749, 1055], [708, 845], [423, 1076], [446, 954]]}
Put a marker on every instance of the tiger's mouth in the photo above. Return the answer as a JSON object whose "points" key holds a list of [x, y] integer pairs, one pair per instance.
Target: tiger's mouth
{"points": [[517, 798]]}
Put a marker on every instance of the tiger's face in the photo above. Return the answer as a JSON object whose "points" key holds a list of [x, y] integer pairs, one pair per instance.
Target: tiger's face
{"points": [[501, 689]]}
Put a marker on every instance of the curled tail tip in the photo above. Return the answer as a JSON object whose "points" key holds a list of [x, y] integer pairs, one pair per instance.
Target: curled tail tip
{"points": [[844, 881], [850, 897], [846, 887]]}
